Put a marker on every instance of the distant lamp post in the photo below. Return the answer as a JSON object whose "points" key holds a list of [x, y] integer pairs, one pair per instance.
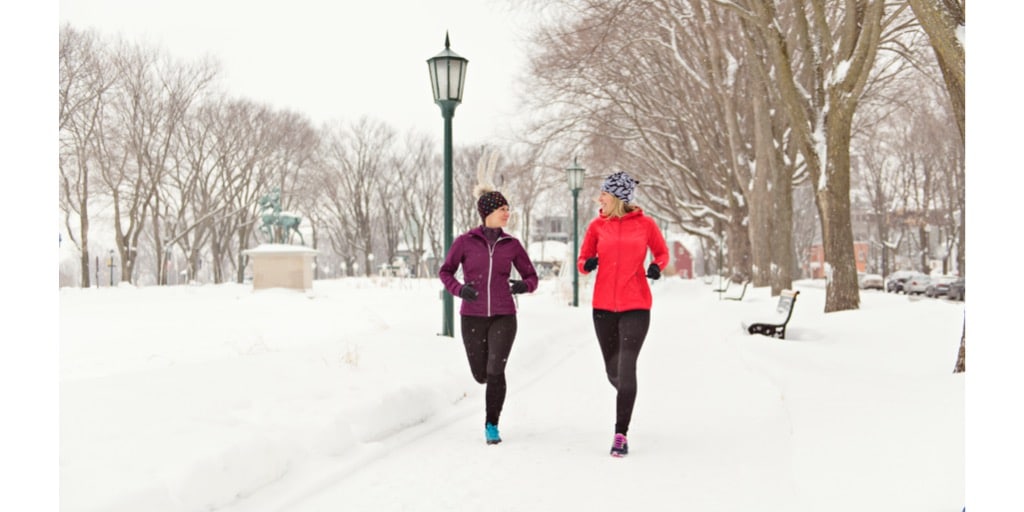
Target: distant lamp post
{"points": [[575, 173], [447, 76], [110, 266], [369, 266]]}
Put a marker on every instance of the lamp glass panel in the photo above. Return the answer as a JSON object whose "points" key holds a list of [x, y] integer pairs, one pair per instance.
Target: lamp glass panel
{"points": [[440, 75], [575, 178], [456, 75]]}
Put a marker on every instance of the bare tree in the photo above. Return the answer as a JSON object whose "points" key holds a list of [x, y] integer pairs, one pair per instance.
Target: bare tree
{"points": [[332, 209], [189, 200], [241, 175], [153, 95], [943, 21], [389, 207], [901, 78], [528, 179], [822, 66], [358, 153], [624, 88], [85, 78], [878, 180], [421, 205]]}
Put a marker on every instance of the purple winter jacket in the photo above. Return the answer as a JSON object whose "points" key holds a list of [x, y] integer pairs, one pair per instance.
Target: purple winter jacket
{"points": [[488, 269]]}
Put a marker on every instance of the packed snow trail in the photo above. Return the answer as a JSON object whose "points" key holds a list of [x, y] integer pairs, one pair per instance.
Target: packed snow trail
{"points": [[700, 414], [354, 404]]}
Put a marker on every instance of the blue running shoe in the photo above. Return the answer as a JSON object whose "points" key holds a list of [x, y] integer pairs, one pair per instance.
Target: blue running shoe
{"points": [[491, 433], [619, 446]]}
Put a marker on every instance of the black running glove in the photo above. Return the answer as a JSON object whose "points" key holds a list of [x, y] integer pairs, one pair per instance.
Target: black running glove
{"points": [[653, 272], [468, 292], [590, 264], [519, 286]]}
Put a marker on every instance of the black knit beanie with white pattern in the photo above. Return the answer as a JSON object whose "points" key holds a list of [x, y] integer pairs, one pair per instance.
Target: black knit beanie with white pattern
{"points": [[620, 185]]}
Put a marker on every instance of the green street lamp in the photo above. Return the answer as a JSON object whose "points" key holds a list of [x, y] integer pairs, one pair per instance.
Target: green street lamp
{"points": [[110, 266], [447, 76], [575, 175]]}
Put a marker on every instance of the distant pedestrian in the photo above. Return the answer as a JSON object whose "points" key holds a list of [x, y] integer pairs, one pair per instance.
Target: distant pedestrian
{"points": [[487, 254], [620, 236]]}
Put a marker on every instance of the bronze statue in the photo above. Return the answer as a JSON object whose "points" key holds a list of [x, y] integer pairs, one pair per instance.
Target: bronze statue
{"points": [[278, 225]]}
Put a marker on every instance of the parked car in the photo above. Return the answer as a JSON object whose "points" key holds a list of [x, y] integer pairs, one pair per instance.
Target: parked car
{"points": [[939, 286], [870, 281], [916, 283], [956, 290], [894, 283]]}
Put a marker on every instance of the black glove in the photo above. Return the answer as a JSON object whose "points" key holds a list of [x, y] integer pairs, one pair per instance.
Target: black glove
{"points": [[468, 292], [519, 286], [653, 272], [590, 264]]}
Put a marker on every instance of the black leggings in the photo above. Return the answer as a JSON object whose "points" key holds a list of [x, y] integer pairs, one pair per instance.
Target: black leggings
{"points": [[621, 335], [488, 341]]}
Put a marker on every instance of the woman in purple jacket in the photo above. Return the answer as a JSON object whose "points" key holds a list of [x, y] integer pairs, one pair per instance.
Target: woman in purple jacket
{"points": [[487, 255]]}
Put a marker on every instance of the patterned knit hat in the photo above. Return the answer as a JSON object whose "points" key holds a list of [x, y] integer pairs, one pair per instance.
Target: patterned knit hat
{"points": [[490, 201], [620, 185]]}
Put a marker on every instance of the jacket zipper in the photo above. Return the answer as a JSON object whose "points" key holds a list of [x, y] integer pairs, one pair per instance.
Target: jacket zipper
{"points": [[490, 268], [617, 272]]}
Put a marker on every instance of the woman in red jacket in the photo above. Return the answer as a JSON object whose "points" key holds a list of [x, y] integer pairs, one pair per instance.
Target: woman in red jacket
{"points": [[487, 254], [620, 236]]}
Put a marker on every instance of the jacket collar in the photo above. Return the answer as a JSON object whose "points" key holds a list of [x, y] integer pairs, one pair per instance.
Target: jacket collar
{"points": [[479, 232], [638, 212]]}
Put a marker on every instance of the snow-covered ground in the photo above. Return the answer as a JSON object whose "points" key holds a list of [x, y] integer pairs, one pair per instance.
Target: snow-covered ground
{"points": [[195, 398]]}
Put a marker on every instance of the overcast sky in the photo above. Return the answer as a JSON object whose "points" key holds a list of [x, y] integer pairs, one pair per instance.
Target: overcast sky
{"points": [[336, 60]]}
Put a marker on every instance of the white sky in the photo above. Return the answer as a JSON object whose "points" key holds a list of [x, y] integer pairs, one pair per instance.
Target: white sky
{"points": [[336, 60], [184, 398]]}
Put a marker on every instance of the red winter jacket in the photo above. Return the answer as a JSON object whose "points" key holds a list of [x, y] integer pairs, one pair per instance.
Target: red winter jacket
{"points": [[621, 244]]}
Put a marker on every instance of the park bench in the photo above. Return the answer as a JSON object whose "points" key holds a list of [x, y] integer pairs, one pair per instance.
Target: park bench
{"points": [[724, 287], [394, 270], [784, 311], [742, 292]]}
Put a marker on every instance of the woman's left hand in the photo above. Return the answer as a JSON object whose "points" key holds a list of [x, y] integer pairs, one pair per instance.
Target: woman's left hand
{"points": [[653, 272], [519, 286]]}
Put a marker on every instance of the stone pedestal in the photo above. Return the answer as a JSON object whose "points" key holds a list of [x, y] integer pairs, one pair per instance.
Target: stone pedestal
{"points": [[281, 266]]}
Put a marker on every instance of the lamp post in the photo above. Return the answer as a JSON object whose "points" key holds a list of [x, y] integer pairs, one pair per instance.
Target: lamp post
{"points": [[110, 266], [447, 76], [575, 175]]}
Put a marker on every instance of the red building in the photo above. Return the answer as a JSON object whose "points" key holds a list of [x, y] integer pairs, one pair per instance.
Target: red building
{"points": [[682, 260]]}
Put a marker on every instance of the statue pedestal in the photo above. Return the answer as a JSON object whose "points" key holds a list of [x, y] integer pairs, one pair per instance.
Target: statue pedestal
{"points": [[281, 266]]}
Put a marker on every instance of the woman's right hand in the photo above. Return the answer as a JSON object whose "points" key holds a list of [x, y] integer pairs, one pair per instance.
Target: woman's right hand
{"points": [[468, 292]]}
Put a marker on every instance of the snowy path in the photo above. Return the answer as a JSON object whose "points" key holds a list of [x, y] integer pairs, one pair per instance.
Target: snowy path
{"points": [[354, 404], [688, 446]]}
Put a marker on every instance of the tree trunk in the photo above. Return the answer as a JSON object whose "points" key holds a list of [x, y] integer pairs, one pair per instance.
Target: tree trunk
{"points": [[925, 255], [84, 237], [240, 270], [941, 20], [961, 364], [760, 228], [841, 292], [738, 242], [763, 220], [783, 257]]}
